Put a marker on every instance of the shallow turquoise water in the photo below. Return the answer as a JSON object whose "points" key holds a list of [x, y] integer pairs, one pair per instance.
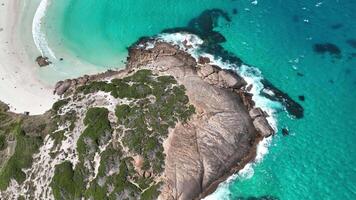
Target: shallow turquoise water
{"points": [[317, 160]]}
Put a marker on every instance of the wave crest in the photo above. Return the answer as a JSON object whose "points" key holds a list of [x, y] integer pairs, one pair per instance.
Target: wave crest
{"points": [[39, 37]]}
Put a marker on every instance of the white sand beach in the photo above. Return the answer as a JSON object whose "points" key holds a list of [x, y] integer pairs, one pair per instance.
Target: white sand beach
{"points": [[20, 86]]}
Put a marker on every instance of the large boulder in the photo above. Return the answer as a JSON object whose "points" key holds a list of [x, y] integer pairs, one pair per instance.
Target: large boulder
{"points": [[63, 86], [231, 80], [263, 127], [43, 61]]}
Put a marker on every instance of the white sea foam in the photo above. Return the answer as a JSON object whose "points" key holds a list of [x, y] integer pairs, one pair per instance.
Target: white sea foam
{"points": [[38, 36], [253, 77]]}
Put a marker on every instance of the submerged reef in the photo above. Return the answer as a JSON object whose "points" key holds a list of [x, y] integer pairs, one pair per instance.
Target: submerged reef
{"points": [[332, 49]]}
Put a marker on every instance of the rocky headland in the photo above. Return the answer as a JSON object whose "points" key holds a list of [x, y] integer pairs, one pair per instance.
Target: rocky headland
{"points": [[168, 126]]}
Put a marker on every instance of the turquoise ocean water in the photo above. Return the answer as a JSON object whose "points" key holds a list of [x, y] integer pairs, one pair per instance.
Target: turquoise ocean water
{"points": [[317, 159]]}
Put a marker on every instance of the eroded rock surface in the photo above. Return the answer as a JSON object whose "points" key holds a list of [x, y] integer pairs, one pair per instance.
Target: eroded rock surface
{"points": [[167, 126], [219, 137]]}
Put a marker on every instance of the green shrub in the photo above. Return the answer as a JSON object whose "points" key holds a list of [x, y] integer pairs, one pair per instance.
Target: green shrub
{"points": [[2, 142], [151, 193], [63, 185], [59, 104], [26, 146], [98, 125]]}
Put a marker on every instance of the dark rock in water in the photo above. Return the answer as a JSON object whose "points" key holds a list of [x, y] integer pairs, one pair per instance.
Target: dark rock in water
{"points": [[331, 81], [336, 26], [352, 43], [292, 107], [249, 88], [203, 26], [234, 11], [208, 19], [285, 132], [301, 97], [203, 60], [330, 48], [42, 61], [300, 74], [61, 59]]}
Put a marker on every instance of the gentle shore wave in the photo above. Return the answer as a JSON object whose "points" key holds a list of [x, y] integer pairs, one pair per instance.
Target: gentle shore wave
{"points": [[38, 36], [20, 85]]}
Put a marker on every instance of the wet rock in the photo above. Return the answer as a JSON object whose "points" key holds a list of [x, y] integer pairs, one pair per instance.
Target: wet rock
{"points": [[42, 61], [247, 99], [203, 60], [292, 107], [301, 97], [256, 112], [262, 126], [249, 88], [231, 80], [285, 132]]}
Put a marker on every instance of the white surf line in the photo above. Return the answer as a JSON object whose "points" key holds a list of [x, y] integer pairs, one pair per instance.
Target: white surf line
{"points": [[38, 36]]}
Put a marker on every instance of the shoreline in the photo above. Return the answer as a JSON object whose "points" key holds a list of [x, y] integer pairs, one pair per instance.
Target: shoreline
{"points": [[20, 86], [253, 157], [22, 89], [250, 158]]}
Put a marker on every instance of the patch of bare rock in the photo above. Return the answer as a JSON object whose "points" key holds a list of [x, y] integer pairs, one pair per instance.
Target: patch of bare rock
{"points": [[43, 61], [222, 136]]}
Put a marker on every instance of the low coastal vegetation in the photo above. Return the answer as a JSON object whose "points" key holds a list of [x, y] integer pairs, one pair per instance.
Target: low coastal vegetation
{"points": [[26, 146], [119, 157], [128, 152], [21, 137]]}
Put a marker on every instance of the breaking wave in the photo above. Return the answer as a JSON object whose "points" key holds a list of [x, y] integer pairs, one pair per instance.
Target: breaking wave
{"points": [[38, 36]]}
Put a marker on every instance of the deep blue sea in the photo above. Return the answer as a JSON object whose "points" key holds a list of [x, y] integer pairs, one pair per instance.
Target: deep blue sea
{"points": [[306, 48]]}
